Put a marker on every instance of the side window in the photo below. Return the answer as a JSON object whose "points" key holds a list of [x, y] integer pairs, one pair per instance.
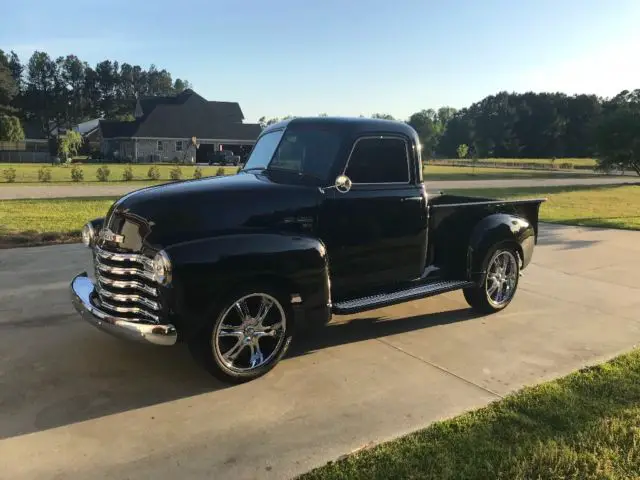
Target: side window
{"points": [[379, 160]]}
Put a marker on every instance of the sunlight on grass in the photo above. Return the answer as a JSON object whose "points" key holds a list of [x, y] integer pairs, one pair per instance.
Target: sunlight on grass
{"points": [[596, 206], [583, 426]]}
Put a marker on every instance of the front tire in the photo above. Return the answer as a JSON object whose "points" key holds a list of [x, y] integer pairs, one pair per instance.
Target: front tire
{"points": [[499, 282], [248, 335]]}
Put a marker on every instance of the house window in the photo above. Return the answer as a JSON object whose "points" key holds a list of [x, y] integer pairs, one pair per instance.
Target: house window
{"points": [[160, 146], [179, 146]]}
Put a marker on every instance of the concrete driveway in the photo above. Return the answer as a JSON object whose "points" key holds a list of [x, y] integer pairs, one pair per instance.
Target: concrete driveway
{"points": [[9, 192], [76, 403]]}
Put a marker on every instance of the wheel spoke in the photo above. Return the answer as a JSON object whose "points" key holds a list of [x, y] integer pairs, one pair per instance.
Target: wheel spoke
{"points": [[265, 307], [269, 330], [243, 310], [492, 289], [231, 333], [234, 351], [257, 358]]}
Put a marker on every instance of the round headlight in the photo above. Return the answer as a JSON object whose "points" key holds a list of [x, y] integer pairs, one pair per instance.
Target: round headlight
{"points": [[88, 234], [162, 268]]}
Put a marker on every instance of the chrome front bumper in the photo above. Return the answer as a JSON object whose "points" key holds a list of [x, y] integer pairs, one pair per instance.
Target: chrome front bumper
{"points": [[82, 288]]}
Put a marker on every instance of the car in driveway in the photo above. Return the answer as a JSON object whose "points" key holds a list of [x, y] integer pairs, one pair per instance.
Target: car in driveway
{"points": [[329, 216]]}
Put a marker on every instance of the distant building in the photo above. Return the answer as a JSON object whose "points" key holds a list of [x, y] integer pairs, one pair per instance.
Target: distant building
{"points": [[164, 126]]}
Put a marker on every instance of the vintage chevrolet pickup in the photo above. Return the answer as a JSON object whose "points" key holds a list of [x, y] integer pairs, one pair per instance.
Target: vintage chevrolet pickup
{"points": [[328, 216]]}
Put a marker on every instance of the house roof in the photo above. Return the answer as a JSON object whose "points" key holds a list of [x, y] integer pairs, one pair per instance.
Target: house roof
{"points": [[230, 111], [184, 116]]}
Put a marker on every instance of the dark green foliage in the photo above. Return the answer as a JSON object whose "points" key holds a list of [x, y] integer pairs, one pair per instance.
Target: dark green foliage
{"points": [[618, 133], [44, 174], [9, 174], [175, 173], [528, 125], [77, 175], [154, 173], [127, 174], [102, 174], [197, 173], [10, 128], [220, 172]]}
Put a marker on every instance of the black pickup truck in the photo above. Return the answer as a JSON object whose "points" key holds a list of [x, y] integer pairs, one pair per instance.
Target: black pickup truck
{"points": [[329, 216]]}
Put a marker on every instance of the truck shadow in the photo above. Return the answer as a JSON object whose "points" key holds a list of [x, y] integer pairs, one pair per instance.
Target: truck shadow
{"points": [[79, 374], [356, 329]]}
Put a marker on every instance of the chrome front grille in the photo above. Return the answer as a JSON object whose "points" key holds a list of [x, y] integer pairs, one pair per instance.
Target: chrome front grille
{"points": [[125, 286]]}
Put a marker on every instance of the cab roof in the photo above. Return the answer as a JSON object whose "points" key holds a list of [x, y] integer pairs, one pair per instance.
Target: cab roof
{"points": [[351, 124]]}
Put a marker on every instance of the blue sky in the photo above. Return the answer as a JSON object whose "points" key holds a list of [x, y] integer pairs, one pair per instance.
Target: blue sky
{"points": [[347, 57]]}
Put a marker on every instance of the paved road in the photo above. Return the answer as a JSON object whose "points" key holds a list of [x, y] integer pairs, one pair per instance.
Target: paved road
{"points": [[59, 191], [76, 403]]}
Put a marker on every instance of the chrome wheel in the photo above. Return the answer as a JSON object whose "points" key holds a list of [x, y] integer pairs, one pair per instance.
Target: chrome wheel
{"points": [[250, 333], [502, 278]]}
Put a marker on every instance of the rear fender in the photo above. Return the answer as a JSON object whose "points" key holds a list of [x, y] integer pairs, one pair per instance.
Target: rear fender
{"points": [[494, 230], [206, 270]]}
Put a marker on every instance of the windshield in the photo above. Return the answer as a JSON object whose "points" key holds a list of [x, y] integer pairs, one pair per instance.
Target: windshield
{"points": [[306, 151]]}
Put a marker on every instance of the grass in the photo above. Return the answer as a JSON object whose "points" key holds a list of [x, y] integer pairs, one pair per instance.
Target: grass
{"points": [[608, 206], [27, 174], [46, 221], [583, 426], [575, 162]]}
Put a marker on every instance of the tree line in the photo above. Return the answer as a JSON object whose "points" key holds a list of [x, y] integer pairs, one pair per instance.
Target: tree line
{"points": [[66, 90], [532, 125]]}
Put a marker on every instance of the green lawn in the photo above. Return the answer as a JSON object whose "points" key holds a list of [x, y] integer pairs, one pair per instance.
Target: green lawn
{"points": [[597, 206], [28, 173], [41, 221], [576, 162], [583, 426]]}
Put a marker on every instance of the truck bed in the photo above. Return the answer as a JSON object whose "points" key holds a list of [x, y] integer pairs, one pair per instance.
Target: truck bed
{"points": [[452, 219]]}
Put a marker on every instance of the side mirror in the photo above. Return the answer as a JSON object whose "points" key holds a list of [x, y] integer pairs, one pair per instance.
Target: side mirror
{"points": [[343, 184]]}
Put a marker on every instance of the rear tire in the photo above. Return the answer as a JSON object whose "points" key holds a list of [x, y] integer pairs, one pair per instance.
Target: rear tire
{"points": [[499, 282], [248, 333]]}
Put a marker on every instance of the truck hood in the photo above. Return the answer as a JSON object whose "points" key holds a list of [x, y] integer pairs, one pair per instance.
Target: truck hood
{"points": [[164, 215]]}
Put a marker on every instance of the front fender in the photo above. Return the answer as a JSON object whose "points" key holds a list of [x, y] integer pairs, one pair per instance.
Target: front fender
{"points": [[496, 229], [206, 270]]}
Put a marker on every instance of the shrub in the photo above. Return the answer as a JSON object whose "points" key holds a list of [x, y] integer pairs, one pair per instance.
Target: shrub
{"points": [[77, 175], [566, 165], [9, 174], [127, 175], [197, 173], [103, 173], [154, 173], [175, 173], [44, 174], [220, 172]]}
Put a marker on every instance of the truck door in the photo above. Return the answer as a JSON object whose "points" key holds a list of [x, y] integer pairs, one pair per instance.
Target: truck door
{"points": [[376, 232]]}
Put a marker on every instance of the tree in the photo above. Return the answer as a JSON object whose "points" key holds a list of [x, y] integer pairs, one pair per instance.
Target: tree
{"points": [[10, 129], [69, 144], [617, 139], [181, 85], [42, 95], [8, 86], [425, 124], [462, 150], [383, 116], [264, 122]]}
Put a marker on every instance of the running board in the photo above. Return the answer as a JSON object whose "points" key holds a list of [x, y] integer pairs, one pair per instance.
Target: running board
{"points": [[429, 289]]}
